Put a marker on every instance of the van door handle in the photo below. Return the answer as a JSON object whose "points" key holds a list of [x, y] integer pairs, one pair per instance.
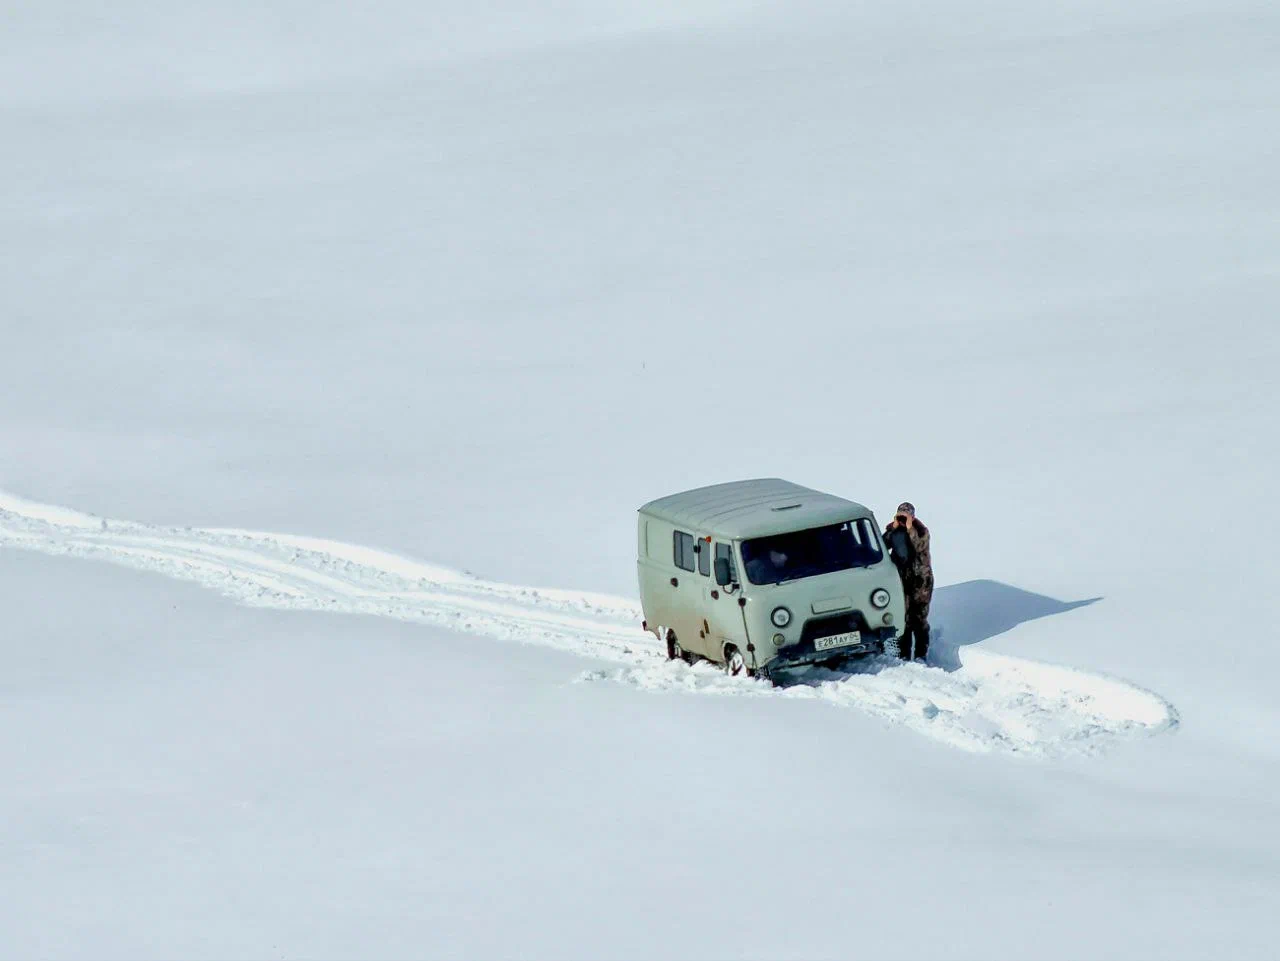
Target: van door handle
{"points": [[674, 582]]}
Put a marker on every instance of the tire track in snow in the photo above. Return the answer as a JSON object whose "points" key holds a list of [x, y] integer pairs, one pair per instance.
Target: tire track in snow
{"points": [[992, 703]]}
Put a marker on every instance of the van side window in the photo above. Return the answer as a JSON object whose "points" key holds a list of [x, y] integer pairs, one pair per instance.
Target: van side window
{"points": [[684, 551], [725, 552], [704, 558]]}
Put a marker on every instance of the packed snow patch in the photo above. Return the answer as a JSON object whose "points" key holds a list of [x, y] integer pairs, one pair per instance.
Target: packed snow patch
{"points": [[991, 702], [994, 702]]}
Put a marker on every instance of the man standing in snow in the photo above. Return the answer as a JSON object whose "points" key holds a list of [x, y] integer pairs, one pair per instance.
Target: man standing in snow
{"points": [[908, 542]]}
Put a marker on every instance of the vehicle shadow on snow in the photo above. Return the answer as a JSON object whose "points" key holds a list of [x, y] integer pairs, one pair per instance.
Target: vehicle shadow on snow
{"points": [[973, 611], [961, 614]]}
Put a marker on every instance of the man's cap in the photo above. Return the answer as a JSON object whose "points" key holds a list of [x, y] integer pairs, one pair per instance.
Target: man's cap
{"points": [[906, 507]]}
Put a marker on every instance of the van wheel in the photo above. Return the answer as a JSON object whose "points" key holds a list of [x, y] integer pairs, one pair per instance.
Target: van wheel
{"points": [[734, 664], [674, 650]]}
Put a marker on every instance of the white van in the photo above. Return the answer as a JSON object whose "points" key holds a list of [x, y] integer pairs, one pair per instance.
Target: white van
{"points": [[759, 575]]}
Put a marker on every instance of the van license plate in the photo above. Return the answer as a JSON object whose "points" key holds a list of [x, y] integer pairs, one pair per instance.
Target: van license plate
{"points": [[836, 640]]}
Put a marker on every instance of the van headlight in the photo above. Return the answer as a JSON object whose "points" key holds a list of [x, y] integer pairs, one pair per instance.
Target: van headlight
{"points": [[879, 598], [781, 617]]}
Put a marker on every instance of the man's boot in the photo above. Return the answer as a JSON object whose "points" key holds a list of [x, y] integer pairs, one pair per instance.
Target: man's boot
{"points": [[922, 642], [904, 643]]}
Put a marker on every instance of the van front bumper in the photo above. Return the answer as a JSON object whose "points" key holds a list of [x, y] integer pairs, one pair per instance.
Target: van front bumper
{"points": [[797, 655]]}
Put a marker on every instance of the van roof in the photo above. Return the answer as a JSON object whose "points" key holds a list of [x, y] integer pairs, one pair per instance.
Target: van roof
{"points": [[753, 508]]}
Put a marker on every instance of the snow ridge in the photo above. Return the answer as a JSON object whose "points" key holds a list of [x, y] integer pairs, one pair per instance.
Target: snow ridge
{"points": [[992, 702]]}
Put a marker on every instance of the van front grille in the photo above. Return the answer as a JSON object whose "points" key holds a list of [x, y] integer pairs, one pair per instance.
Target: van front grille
{"points": [[836, 624]]}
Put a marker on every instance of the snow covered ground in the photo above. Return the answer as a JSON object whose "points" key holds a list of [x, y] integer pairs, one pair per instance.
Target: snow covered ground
{"points": [[977, 701], [441, 292]]}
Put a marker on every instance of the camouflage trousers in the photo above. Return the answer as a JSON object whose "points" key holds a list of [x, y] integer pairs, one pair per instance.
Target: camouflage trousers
{"points": [[916, 630]]}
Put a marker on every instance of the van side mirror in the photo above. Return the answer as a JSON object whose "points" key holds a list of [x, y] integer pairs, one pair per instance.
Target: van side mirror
{"points": [[723, 577]]}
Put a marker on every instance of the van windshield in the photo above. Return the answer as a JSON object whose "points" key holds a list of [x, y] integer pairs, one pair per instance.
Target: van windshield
{"points": [[820, 550]]}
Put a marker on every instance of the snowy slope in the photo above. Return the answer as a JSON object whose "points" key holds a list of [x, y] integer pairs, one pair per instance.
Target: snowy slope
{"points": [[464, 284]]}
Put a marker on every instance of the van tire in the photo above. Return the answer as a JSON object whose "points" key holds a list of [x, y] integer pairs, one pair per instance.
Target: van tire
{"points": [[674, 650], [734, 663]]}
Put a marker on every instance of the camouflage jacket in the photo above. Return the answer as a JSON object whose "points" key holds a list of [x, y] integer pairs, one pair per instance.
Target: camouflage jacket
{"points": [[917, 570]]}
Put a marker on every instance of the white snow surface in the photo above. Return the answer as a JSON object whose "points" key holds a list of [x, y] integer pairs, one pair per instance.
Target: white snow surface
{"points": [[989, 702], [447, 289]]}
